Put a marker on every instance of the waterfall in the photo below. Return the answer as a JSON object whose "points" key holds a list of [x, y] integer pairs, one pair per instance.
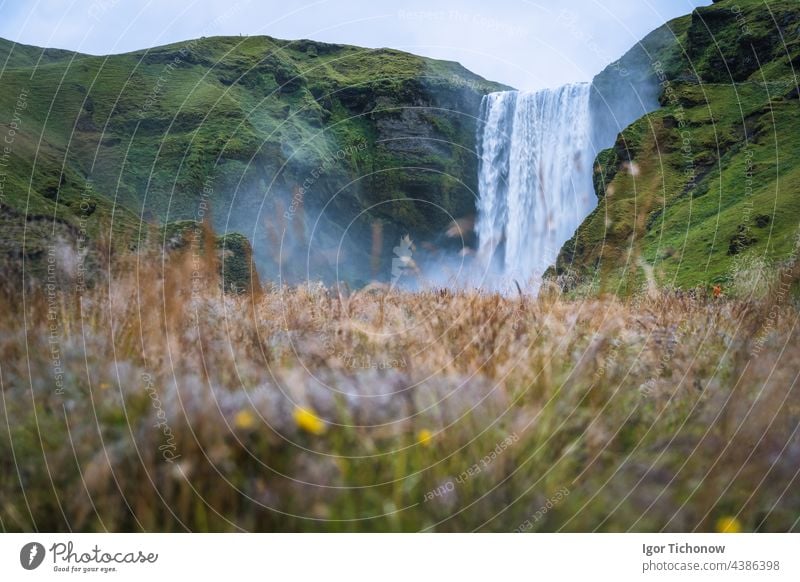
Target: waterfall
{"points": [[534, 177]]}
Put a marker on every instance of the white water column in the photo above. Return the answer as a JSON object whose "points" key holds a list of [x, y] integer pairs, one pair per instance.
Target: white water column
{"points": [[534, 177]]}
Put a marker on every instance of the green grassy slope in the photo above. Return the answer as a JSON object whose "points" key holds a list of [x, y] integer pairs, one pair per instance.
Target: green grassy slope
{"points": [[710, 183], [14, 55], [238, 124]]}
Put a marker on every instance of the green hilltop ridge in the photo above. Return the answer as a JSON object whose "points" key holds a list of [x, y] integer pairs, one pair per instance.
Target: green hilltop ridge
{"points": [[707, 187], [113, 146]]}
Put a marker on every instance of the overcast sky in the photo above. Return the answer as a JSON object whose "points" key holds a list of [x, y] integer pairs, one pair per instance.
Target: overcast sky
{"points": [[522, 43]]}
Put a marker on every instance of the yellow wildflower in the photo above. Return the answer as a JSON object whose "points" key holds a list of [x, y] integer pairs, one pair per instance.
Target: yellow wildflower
{"points": [[308, 421], [729, 525], [425, 437], [244, 419], [104, 385]]}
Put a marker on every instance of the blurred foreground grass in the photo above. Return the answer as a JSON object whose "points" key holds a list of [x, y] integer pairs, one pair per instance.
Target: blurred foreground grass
{"points": [[152, 402]]}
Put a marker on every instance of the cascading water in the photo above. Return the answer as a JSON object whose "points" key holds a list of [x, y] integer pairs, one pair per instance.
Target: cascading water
{"points": [[534, 177]]}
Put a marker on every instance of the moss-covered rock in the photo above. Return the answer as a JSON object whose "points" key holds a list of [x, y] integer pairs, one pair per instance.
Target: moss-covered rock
{"points": [[237, 270], [233, 253]]}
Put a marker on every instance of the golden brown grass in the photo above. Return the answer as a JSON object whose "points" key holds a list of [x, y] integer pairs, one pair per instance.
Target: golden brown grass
{"points": [[313, 410]]}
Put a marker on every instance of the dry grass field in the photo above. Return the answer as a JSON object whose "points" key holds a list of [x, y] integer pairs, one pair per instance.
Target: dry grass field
{"points": [[154, 402]]}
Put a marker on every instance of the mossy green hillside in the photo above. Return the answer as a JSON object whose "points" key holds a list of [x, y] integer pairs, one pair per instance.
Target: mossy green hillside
{"points": [[709, 182], [239, 124]]}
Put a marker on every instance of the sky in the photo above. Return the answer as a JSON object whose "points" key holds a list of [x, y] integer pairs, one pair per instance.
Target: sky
{"points": [[526, 44]]}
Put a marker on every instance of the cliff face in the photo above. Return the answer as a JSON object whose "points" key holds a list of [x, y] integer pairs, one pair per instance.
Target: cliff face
{"points": [[704, 188], [298, 145]]}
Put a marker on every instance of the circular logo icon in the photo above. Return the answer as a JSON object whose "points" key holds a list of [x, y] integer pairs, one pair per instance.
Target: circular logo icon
{"points": [[31, 555]]}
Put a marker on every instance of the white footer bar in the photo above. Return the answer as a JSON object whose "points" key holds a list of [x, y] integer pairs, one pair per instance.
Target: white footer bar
{"points": [[406, 557]]}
